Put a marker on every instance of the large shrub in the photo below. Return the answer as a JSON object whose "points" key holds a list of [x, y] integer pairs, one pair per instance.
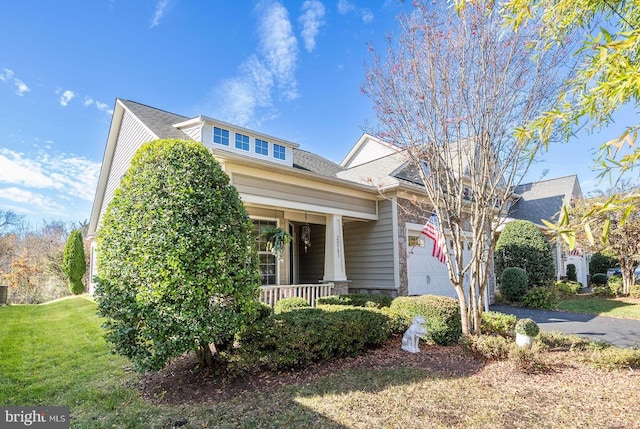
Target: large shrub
{"points": [[600, 262], [177, 268], [441, 315], [567, 288], [541, 297], [357, 300], [521, 244], [306, 335], [513, 284], [74, 264]]}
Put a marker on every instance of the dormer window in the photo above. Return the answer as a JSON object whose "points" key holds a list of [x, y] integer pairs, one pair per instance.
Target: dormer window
{"points": [[262, 147], [279, 151], [242, 142], [221, 136]]}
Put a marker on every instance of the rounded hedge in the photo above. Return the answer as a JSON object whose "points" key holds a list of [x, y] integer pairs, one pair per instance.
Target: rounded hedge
{"points": [[599, 279], [441, 315], [357, 300], [177, 266], [288, 304], [513, 284], [527, 327], [521, 244]]}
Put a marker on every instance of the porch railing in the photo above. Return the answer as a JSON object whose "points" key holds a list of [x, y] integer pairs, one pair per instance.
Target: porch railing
{"points": [[272, 294]]}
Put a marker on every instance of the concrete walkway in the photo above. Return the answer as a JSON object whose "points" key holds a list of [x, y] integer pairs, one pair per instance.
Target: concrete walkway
{"points": [[619, 332]]}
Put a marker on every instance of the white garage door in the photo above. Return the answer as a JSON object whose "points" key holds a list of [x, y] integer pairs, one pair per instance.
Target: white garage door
{"points": [[426, 274]]}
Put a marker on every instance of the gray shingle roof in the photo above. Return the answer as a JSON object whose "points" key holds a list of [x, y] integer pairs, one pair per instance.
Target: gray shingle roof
{"points": [[544, 200], [308, 161], [158, 121]]}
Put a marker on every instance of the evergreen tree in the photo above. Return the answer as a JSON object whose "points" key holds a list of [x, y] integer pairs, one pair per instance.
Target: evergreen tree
{"points": [[74, 264]]}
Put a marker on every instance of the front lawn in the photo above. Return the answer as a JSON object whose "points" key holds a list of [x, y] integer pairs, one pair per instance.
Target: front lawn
{"points": [[55, 355], [614, 307]]}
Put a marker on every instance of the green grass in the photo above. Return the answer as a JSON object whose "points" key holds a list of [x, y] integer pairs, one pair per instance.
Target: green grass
{"points": [[619, 307], [55, 354]]}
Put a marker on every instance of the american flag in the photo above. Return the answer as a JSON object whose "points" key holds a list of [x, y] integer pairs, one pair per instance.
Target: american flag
{"points": [[432, 230], [575, 252]]}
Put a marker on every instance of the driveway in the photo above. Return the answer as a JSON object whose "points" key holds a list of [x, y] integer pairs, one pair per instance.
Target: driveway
{"points": [[619, 332]]}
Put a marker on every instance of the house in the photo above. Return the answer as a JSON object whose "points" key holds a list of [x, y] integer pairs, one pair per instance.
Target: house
{"points": [[545, 200], [344, 230]]}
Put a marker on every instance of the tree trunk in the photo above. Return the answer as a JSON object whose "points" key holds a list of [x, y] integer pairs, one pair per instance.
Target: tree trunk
{"points": [[204, 355]]}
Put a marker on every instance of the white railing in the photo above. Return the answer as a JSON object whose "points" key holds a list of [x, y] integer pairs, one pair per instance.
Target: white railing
{"points": [[272, 294]]}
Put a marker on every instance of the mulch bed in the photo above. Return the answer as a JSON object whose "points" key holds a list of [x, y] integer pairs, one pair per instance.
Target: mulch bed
{"points": [[181, 383]]}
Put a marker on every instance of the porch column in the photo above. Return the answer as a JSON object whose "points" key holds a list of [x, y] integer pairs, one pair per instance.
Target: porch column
{"points": [[334, 268]]}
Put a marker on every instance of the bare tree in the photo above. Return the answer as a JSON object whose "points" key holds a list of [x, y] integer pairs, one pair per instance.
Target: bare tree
{"points": [[452, 90], [9, 219]]}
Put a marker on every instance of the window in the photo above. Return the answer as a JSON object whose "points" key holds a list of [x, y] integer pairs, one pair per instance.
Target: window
{"points": [[415, 241], [242, 142], [267, 263], [262, 147], [279, 152], [467, 194], [221, 136]]}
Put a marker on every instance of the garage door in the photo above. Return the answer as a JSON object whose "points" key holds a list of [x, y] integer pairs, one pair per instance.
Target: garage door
{"points": [[426, 274]]}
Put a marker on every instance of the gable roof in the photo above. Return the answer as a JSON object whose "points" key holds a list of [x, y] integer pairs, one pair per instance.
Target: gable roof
{"points": [[159, 122], [545, 199]]}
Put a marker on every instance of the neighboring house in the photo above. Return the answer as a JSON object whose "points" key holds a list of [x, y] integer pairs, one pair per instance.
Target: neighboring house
{"points": [[545, 200], [359, 240]]}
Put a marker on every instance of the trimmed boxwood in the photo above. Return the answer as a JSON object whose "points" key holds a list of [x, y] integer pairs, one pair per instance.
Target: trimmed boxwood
{"points": [[568, 288], [441, 315], [357, 300], [306, 335], [288, 304], [497, 323], [513, 284], [599, 279]]}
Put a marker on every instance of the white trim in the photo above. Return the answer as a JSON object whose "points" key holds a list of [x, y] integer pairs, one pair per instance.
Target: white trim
{"points": [[284, 204], [395, 231]]}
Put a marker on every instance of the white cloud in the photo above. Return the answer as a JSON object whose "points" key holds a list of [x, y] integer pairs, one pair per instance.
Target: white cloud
{"points": [[279, 47], [345, 6], [37, 203], [66, 97], [160, 7], [248, 98], [67, 175], [104, 107], [8, 76], [367, 15], [88, 101], [311, 19]]}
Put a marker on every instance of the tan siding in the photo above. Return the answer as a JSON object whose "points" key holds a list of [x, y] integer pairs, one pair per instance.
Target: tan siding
{"points": [[299, 194], [132, 136], [369, 251]]}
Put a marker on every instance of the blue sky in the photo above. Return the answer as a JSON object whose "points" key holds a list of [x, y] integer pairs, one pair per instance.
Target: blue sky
{"points": [[292, 69]]}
